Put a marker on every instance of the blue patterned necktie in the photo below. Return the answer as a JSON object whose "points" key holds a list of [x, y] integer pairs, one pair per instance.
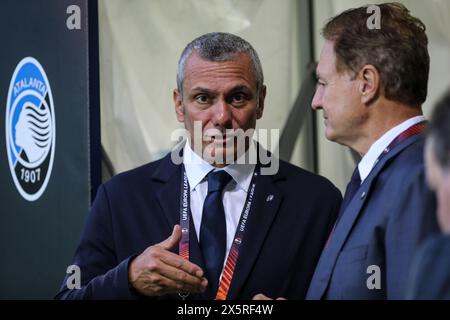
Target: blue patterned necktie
{"points": [[352, 187], [213, 232]]}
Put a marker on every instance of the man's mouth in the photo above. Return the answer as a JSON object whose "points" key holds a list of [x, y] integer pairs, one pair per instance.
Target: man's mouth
{"points": [[220, 138], [223, 139]]}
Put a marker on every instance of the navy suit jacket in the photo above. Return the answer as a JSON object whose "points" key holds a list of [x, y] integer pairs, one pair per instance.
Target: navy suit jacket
{"points": [[283, 240], [382, 227], [430, 274]]}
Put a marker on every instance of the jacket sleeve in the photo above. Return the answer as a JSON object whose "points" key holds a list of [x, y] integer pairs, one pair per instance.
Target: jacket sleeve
{"points": [[101, 275]]}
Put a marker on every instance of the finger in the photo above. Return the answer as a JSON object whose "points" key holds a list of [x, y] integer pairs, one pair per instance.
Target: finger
{"points": [[180, 263], [260, 296], [173, 240], [181, 276], [167, 286], [281, 298], [194, 289], [161, 285]]}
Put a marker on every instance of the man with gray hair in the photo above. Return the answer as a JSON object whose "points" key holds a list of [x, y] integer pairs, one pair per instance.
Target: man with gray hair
{"points": [[215, 225]]}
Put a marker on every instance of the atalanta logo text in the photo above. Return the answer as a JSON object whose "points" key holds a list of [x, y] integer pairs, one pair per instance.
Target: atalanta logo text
{"points": [[30, 129]]}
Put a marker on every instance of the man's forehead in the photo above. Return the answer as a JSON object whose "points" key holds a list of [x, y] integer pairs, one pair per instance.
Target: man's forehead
{"points": [[327, 62], [320, 71], [202, 73], [318, 74], [194, 59]]}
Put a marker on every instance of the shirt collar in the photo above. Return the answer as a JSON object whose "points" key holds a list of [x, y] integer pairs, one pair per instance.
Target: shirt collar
{"points": [[367, 163], [197, 168]]}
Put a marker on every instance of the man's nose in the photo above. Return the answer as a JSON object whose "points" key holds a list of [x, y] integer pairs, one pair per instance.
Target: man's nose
{"points": [[222, 113], [316, 103]]}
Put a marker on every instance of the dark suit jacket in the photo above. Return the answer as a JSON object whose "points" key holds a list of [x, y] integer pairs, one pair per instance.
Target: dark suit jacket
{"points": [[430, 274], [137, 209], [383, 225]]}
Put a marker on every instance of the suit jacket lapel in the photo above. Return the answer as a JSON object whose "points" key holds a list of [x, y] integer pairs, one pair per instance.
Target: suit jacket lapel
{"points": [[263, 211], [324, 269], [169, 175]]}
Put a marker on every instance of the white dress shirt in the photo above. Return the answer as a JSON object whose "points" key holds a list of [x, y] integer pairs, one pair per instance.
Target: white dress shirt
{"points": [[234, 196], [367, 163]]}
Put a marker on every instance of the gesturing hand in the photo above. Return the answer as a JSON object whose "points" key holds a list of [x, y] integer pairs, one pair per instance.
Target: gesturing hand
{"points": [[157, 271]]}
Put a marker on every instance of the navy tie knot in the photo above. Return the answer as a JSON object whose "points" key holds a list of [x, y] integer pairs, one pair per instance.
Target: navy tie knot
{"points": [[217, 180]]}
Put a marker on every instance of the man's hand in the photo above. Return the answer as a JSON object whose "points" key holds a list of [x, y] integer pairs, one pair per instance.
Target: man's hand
{"points": [[157, 271]]}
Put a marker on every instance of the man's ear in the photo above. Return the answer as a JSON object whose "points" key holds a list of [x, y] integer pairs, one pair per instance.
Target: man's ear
{"points": [[262, 96], [178, 102], [369, 87]]}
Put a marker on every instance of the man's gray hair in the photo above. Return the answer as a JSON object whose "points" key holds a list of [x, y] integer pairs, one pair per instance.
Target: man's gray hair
{"points": [[219, 46]]}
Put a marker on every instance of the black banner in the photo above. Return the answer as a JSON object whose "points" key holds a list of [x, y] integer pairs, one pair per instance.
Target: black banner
{"points": [[49, 137]]}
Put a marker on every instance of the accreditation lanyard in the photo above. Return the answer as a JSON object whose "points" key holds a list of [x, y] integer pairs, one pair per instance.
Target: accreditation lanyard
{"points": [[228, 271], [414, 130]]}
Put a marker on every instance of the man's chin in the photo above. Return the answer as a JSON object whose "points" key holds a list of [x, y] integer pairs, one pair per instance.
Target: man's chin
{"points": [[339, 139], [330, 135]]}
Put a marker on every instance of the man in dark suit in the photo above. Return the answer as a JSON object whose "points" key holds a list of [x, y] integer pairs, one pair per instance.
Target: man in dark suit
{"points": [[430, 274], [237, 226], [372, 82]]}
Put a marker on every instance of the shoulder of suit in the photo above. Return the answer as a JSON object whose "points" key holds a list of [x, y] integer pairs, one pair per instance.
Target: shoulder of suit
{"points": [[413, 153], [409, 162], [305, 178], [133, 176]]}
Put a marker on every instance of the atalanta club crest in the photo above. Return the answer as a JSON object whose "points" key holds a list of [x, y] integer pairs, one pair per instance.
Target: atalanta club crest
{"points": [[30, 129]]}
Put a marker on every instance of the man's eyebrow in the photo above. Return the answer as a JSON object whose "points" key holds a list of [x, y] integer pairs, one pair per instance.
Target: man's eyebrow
{"points": [[212, 92], [240, 88], [204, 90]]}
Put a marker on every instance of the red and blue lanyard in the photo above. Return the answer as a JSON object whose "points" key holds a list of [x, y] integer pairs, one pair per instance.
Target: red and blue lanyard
{"points": [[185, 212]]}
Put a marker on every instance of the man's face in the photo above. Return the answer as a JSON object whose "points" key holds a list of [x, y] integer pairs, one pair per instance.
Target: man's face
{"points": [[219, 95], [338, 96], [439, 181]]}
